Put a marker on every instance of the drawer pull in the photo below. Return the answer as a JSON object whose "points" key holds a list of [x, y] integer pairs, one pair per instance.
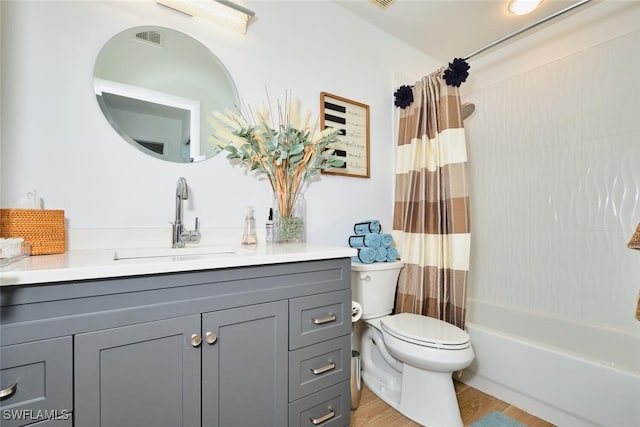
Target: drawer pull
{"points": [[330, 318], [317, 371], [9, 391], [324, 418]]}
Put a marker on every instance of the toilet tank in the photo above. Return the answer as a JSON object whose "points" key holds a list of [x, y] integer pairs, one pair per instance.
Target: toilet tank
{"points": [[374, 287]]}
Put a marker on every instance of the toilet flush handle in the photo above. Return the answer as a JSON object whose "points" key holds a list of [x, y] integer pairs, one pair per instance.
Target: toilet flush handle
{"points": [[365, 278]]}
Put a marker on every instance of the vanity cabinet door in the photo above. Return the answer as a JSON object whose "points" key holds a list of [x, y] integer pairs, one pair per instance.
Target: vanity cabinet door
{"points": [[139, 375], [244, 366]]}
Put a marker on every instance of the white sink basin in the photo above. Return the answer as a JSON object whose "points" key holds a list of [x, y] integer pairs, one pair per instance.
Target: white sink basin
{"points": [[135, 253]]}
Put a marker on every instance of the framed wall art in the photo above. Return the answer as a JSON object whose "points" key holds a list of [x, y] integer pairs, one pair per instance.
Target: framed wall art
{"points": [[352, 119]]}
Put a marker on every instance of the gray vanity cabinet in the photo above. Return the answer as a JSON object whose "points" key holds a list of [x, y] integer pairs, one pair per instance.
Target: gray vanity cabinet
{"points": [[249, 346]]}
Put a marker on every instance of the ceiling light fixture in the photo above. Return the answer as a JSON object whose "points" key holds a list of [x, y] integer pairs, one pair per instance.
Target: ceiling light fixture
{"points": [[522, 7], [229, 13]]}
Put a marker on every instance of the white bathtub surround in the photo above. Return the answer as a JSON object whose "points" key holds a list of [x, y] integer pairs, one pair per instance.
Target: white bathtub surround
{"points": [[568, 373], [556, 187], [553, 158]]}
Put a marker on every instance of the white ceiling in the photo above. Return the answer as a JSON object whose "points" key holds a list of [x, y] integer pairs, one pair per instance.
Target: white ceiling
{"points": [[448, 29]]}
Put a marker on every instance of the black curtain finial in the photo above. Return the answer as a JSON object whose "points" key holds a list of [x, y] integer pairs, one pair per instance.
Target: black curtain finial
{"points": [[403, 96], [457, 72]]}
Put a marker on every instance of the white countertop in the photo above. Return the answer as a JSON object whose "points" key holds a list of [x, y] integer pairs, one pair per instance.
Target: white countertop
{"points": [[100, 263]]}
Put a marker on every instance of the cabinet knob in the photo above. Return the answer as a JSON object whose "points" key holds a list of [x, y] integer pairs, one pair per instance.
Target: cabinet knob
{"points": [[211, 338], [196, 340]]}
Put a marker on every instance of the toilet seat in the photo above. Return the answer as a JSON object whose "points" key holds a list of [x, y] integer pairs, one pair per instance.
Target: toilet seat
{"points": [[425, 331]]}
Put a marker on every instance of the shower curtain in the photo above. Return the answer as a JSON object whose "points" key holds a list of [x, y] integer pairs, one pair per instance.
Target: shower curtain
{"points": [[431, 224]]}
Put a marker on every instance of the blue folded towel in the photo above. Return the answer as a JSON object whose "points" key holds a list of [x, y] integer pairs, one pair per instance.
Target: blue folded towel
{"points": [[381, 254], [392, 254], [387, 239], [370, 240], [370, 226], [365, 255]]}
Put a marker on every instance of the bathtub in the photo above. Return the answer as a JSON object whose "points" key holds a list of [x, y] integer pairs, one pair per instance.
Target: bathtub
{"points": [[567, 373]]}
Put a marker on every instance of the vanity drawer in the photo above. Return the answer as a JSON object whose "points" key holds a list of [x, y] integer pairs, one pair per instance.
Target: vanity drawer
{"points": [[319, 318], [329, 407], [319, 366], [36, 378]]}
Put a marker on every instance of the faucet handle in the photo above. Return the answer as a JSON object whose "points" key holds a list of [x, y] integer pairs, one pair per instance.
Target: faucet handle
{"points": [[195, 234], [192, 235]]}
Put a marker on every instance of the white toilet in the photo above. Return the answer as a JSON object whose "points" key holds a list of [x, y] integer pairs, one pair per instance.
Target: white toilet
{"points": [[407, 359]]}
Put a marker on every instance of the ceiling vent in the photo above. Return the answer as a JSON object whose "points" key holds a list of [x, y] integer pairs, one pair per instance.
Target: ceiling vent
{"points": [[151, 37], [384, 4]]}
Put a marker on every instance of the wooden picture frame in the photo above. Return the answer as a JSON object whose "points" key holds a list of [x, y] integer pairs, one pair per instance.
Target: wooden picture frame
{"points": [[352, 118]]}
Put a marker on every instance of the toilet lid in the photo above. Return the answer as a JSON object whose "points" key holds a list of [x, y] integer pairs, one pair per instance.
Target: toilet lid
{"points": [[425, 331]]}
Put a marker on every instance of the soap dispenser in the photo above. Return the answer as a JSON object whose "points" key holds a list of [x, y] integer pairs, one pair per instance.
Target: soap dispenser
{"points": [[249, 235]]}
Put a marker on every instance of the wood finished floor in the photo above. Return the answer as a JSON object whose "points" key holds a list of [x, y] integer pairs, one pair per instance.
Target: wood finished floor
{"points": [[474, 404]]}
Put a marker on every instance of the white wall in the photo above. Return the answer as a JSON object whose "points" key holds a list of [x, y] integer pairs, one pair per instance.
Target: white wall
{"points": [[55, 139], [554, 154]]}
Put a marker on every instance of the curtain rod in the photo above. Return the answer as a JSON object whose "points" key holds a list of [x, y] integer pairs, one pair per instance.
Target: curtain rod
{"points": [[527, 28]]}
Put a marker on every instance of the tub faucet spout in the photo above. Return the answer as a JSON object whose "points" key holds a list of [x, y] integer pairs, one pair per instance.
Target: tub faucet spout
{"points": [[180, 236]]}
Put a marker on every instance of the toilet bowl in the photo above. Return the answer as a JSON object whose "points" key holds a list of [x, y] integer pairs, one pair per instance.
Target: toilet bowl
{"points": [[407, 359]]}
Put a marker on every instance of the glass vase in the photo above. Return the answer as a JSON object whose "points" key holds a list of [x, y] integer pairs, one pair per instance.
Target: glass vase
{"points": [[289, 218]]}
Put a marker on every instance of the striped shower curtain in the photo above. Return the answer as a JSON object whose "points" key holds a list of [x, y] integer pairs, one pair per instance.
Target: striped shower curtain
{"points": [[431, 224]]}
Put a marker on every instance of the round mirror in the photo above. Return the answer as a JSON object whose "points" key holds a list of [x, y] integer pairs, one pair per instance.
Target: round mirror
{"points": [[156, 86]]}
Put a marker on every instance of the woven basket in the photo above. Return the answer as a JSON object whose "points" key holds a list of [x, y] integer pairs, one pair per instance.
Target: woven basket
{"points": [[44, 229]]}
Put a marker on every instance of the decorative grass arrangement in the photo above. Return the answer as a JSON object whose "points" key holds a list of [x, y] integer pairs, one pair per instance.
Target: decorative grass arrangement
{"points": [[288, 148]]}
